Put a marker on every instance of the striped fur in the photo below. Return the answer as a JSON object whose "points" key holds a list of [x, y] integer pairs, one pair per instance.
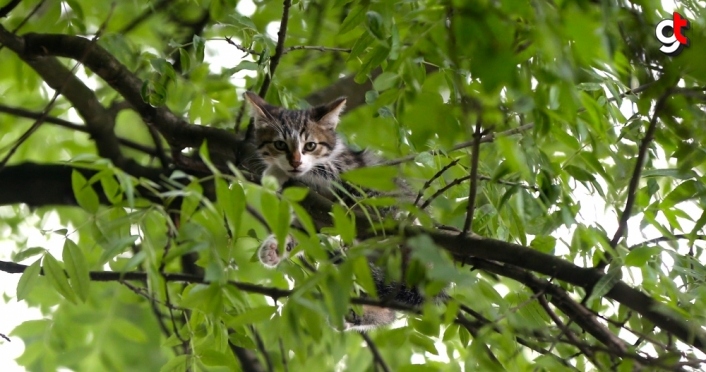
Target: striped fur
{"points": [[304, 145]]}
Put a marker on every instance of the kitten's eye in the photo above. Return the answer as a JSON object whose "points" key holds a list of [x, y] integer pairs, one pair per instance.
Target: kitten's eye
{"points": [[280, 145], [309, 146]]}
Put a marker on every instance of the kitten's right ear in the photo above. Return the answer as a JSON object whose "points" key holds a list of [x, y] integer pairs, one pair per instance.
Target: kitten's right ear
{"points": [[259, 108], [329, 114]]}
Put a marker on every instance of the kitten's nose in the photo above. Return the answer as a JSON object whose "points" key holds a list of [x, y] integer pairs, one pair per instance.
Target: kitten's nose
{"points": [[295, 163]]}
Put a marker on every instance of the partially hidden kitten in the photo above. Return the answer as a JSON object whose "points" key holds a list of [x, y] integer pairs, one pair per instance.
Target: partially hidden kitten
{"points": [[304, 145]]}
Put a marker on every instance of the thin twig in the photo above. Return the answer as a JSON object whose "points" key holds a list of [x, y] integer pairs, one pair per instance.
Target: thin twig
{"points": [[376, 353], [568, 332], [460, 180], [143, 293], [279, 49], [283, 355], [77, 127], [433, 178], [242, 48], [26, 19], [159, 146], [487, 138], [263, 350], [152, 9], [668, 239], [475, 155], [635, 180], [315, 47], [5, 337]]}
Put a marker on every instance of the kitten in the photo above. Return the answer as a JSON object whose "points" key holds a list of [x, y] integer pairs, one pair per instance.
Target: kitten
{"points": [[303, 145]]}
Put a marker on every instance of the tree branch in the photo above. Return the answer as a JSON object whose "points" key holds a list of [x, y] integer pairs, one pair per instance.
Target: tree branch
{"points": [[635, 179], [668, 239], [376, 353], [177, 132], [475, 155], [74, 126], [319, 48], [58, 77], [279, 49], [4, 11], [565, 330], [32, 190]]}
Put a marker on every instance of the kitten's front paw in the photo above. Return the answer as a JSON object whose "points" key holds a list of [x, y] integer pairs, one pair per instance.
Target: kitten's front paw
{"points": [[269, 254]]}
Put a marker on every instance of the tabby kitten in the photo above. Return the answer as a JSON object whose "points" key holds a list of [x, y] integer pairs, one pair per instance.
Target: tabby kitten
{"points": [[303, 145]]}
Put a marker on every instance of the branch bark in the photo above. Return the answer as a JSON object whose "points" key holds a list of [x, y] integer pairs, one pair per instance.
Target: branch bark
{"points": [[35, 49]]}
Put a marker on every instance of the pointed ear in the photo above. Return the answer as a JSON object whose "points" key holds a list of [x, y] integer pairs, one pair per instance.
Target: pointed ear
{"points": [[328, 115], [259, 108]]}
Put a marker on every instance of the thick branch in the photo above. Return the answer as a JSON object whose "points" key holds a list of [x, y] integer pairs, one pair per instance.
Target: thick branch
{"points": [[32, 190], [464, 247], [637, 171], [97, 118], [175, 130], [279, 49]]}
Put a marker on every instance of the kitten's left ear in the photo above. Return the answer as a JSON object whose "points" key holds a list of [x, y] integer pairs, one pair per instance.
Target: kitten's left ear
{"points": [[328, 115], [259, 108]]}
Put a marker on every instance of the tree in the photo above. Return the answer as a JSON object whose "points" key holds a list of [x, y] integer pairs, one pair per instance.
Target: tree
{"points": [[506, 117]]}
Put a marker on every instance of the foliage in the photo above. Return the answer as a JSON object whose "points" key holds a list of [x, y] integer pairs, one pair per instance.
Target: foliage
{"points": [[512, 119]]}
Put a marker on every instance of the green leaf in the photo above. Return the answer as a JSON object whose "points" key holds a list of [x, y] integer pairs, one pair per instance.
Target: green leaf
{"points": [[544, 244], [244, 65], [375, 25], [372, 60], [379, 177], [215, 358], [679, 174], [128, 330], [191, 201], [304, 218], [232, 200], [345, 226], [179, 363], [184, 60], [364, 277], [116, 246], [252, 316], [385, 81], [84, 193], [295, 194], [639, 256], [28, 280], [354, 18], [607, 281], [77, 269], [27, 253], [57, 278], [425, 343], [199, 46], [238, 339], [111, 188], [579, 174]]}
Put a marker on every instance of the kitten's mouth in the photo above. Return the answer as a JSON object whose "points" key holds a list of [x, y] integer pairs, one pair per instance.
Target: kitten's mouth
{"points": [[295, 171]]}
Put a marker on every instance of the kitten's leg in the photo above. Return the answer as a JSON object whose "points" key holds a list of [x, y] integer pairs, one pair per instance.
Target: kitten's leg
{"points": [[269, 254], [371, 317]]}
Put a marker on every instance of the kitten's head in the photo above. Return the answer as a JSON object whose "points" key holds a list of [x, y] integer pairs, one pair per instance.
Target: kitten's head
{"points": [[295, 141]]}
